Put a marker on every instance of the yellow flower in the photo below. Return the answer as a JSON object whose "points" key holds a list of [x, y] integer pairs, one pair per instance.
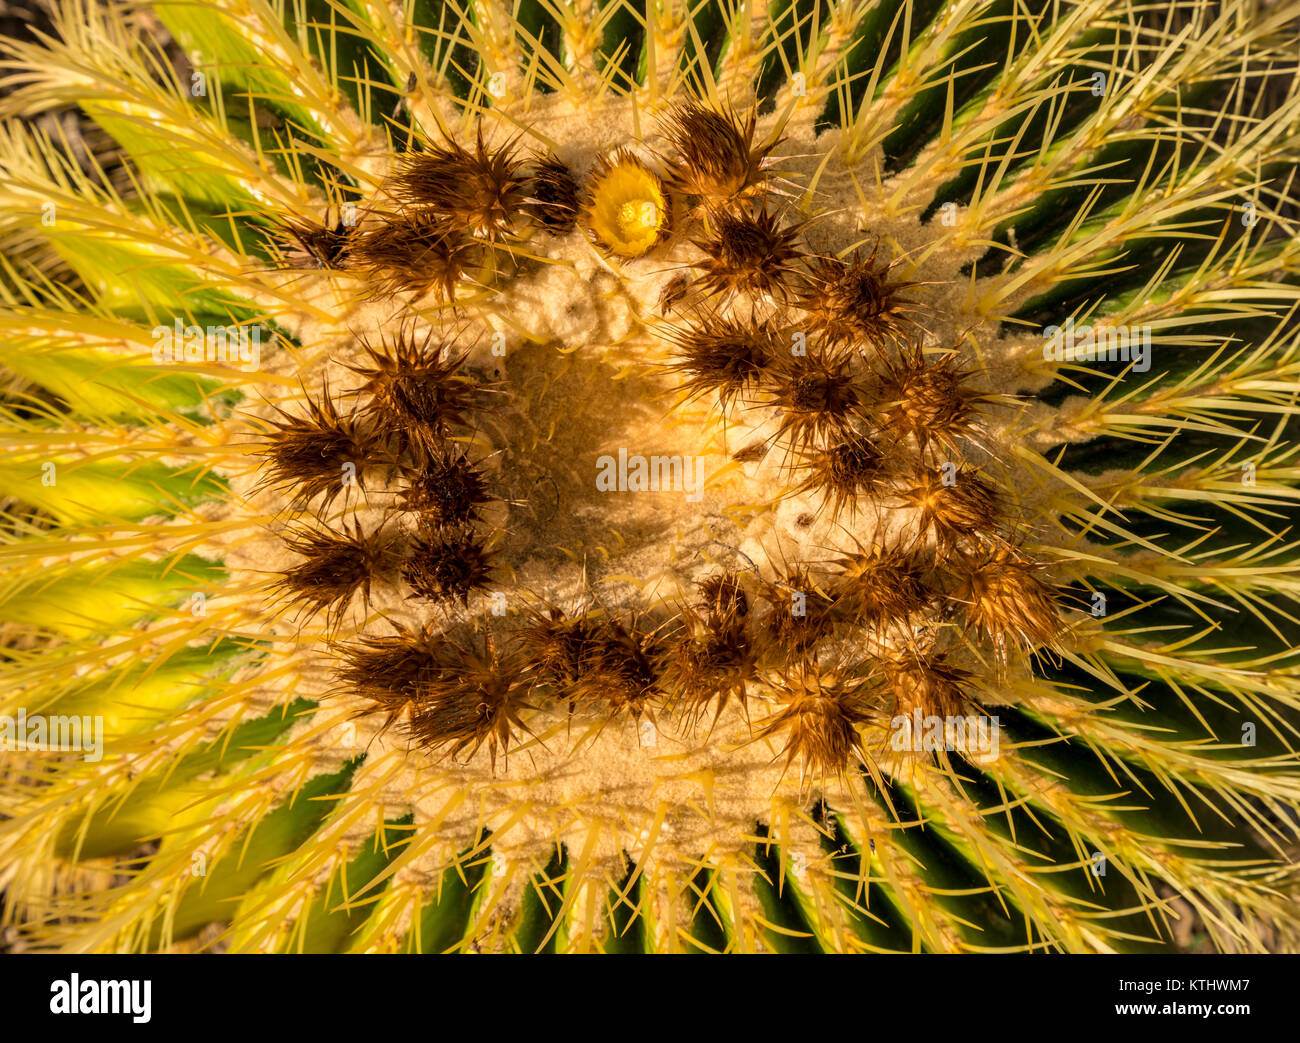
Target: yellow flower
{"points": [[626, 210]]}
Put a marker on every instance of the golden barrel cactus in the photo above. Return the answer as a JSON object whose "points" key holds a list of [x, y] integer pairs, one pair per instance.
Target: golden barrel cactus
{"points": [[600, 476]]}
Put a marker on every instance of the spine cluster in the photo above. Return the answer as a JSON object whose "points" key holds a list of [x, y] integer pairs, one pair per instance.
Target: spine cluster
{"points": [[405, 424], [448, 217]]}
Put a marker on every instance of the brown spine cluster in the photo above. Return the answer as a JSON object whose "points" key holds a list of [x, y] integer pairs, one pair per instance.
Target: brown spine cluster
{"points": [[478, 696], [819, 716], [723, 356], [716, 657], [713, 156], [446, 215], [832, 351], [309, 244], [414, 252], [307, 454], [748, 251], [336, 567], [854, 302], [554, 197], [413, 401], [482, 191]]}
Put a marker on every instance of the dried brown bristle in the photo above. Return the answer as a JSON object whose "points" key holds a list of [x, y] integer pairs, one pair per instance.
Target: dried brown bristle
{"points": [[309, 453], [714, 662], [337, 566], [480, 191], [389, 669], [557, 646], [927, 399], [715, 155], [967, 510], [674, 292], [417, 392], [447, 490], [414, 252], [723, 356], [844, 472], [447, 564], [476, 700], [819, 401], [723, 597], [620, 670], [553, 195], [748, 252], [308, 244], [855, 299], [820, 715], [801, 613], [553, 642], [927, 684], [879, 586], [599, 664], [751, 453], [1006, 601]]}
